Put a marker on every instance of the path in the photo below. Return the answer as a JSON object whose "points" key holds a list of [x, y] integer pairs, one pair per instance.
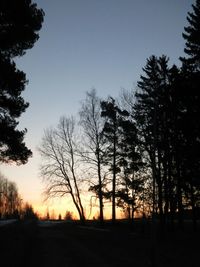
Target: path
{"points": [[78, 246]]}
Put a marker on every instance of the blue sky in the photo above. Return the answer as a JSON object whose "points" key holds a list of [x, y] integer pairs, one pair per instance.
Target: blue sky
{"points": [[84, 44]]}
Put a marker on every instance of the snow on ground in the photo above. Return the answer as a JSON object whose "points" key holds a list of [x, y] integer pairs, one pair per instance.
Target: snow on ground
{"points": [[94, 228], [6, 222], [48, 223]]}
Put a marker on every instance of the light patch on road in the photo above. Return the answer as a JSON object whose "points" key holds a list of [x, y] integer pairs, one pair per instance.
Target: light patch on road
{"points": [[48, 223], [6, 222]]}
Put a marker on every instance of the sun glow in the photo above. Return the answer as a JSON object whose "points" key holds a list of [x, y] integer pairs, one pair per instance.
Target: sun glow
{"points": [[59, 206]]}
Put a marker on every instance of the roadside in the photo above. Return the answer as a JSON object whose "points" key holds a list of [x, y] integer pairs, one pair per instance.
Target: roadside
{"points": [[6, 222], [61, 244]]}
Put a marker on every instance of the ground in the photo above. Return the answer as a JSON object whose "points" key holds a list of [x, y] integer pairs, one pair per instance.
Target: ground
{"points": [[72, 245]]}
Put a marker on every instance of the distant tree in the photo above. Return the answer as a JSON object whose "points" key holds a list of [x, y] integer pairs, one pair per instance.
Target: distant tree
{"points": [[19, 22], [60, 163], [47, 215], [93, 152], [28, 212], [10, 202], [12, 196], [68, 216]]}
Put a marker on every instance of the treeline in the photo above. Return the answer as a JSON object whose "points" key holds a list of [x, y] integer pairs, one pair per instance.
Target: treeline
{"points": [[142, 149], [11, 203], [166, 111]]}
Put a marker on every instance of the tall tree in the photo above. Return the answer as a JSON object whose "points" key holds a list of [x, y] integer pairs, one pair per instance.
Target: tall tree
{"points": [[192, 37], [166, 111], [130, 162], [20, 22], [151, 114], [60, 163], [92, 123], [113, 115], [12, 105], [191, 102]]}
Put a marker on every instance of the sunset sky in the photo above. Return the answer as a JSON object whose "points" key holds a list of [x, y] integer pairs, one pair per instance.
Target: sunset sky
{"points": [[85, 44]]}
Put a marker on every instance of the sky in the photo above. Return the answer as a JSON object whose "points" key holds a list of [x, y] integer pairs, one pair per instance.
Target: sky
{"points": [[86, 44]]}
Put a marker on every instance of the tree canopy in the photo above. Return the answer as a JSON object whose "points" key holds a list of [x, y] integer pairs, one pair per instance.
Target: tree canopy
{"points": [[20, 22], [192, 37]]}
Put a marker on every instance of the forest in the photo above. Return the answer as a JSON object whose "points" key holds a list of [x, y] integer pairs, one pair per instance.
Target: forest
{"points": [[139, 152]]}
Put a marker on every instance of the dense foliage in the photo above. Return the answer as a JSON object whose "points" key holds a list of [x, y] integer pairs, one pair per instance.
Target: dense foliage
{"points": [[20, 22]]}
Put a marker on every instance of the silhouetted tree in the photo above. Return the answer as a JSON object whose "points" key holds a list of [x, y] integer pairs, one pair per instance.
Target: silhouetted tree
{"points": [[192, 37], [60, 163], [166, 111], [19, 22], [10, 202], [152, 111], [130, 162], [113, 115], [47, 215], [92, 123], [28, 212], [68, 216], [190, 102]]}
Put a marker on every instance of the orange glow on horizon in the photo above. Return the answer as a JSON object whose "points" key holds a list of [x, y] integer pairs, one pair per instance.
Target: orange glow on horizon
{"points": [[60, 206]]}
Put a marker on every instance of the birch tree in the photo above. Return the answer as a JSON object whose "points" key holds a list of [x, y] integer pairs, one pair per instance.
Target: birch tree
{"points": [[92, 123], [60, 165]]}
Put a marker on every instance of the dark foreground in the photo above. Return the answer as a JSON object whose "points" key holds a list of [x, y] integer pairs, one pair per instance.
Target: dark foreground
{"points": [[70, 245]]}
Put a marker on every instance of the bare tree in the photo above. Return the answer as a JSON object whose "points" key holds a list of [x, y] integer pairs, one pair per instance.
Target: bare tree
{"points": [[9, 198], [60, 163], [127, 100], [92, 123]]}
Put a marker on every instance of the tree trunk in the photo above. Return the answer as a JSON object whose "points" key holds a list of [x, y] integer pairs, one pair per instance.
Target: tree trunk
{"points": [[179, 198], [101, 218], [114, 177], [194, 219]]}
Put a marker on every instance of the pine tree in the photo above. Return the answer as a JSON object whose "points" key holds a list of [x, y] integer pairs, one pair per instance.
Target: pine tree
{"points": [[113, 114], [152, 120], [130, 162], [190, 102], [192, 37], [19, 23]]}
